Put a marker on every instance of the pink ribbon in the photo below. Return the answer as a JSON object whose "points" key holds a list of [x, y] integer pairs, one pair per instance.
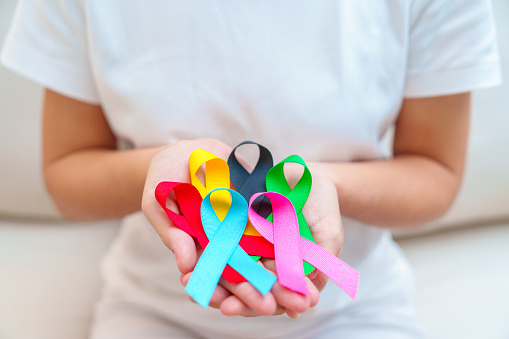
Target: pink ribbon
{"points": [[290, 249]]}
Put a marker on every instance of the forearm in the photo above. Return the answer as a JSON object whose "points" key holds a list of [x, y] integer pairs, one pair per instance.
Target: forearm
{"points": [[402, 192], [96, 184]]}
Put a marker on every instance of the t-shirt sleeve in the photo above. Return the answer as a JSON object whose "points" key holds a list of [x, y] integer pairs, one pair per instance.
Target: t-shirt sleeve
{"points": [[452, 48], [47, 43]]}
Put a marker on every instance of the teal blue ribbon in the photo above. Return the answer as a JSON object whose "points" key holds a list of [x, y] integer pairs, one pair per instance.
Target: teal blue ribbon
{"points": [[223, 249]]}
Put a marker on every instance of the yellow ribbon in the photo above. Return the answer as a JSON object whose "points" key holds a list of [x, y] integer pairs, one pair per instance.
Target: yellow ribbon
{"points": [[217, 174]]}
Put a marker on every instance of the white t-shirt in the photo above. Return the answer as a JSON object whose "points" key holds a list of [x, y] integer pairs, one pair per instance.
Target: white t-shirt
{"points": [[322, 79]]}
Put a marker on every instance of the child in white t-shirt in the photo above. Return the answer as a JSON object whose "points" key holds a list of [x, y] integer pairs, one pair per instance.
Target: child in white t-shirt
{"points": [[322, 79]]}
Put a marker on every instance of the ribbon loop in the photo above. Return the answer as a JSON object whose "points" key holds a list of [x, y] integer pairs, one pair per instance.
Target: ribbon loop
{"points": [[189, 201], [278, 232], [276, 182], [223, 249], [217, 174], [247, 183]]}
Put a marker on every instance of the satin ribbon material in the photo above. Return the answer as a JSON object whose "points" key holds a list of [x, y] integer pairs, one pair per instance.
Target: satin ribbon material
{"points": [[189, 201], [290, 249], [247, 183], [276, 182], [223, 249], [217, 174]]}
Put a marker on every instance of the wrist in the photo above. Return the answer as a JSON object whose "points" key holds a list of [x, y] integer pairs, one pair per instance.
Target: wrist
{"points": [[327, 171]]}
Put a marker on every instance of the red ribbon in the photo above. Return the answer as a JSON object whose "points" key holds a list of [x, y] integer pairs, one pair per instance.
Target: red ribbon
{"points": [[189, 201]]}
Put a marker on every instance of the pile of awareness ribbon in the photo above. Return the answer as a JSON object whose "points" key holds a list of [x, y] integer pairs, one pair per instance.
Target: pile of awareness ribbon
{"points": [[262, 217]]}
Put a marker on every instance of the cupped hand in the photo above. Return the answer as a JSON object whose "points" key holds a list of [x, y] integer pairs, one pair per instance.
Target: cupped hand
{"points": [[324, 220], [322, 215], [171, 164]]}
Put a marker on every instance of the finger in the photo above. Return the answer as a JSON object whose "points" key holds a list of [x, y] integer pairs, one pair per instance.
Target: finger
{"points": [[328, 234], [183, 247], [249, 295], [292, 314], [232, 306], [291, 300], [324, 217], [294, 301], [268, 263], [280, 310], [319, 280], [219, 295], [313, 274], [178, 241]]}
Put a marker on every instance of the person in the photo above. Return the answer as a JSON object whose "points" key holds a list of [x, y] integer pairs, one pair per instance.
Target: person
{"points": [[322, 79]]}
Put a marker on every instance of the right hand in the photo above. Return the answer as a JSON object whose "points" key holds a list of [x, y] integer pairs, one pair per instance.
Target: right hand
{"points": [[172, 164]]}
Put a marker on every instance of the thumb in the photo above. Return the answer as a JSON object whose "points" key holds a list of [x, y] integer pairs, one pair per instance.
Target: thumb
{"points": [[183, 247], [319, 279], [178, 241]]}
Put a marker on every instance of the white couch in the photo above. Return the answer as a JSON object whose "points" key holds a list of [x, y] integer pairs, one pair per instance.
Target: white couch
{"points": [[49, 278]]}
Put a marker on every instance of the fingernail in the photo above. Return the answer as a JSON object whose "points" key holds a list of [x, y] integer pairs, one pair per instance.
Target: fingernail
{"points": [[293, 315]]}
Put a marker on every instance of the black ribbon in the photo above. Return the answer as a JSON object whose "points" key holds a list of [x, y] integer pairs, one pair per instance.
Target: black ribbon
{"points": [[247, 184]]}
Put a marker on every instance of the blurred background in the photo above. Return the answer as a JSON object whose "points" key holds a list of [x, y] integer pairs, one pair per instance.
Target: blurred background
{"points": [[49, 274]]}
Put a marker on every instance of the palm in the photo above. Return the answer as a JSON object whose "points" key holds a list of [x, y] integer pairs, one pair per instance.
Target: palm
{"points": [[323, 217], [321, 211]]}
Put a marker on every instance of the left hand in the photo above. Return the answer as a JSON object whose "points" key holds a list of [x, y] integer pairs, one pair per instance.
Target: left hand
{"points": [[323, 216]]}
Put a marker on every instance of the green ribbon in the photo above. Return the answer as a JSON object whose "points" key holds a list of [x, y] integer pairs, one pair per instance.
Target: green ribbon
{"points": [[276, 182]]}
